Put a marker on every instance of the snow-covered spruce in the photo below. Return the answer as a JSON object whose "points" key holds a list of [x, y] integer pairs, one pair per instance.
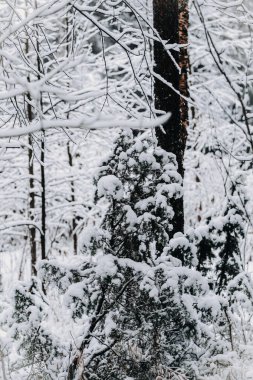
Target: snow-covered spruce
{"points": [[218, 243], [134, 311]]}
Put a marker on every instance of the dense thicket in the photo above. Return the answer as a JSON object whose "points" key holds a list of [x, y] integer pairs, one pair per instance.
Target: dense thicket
{"points": [[118, 294]]}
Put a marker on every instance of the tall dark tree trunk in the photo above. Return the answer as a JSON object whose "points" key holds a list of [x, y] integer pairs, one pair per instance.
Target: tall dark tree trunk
{"points": [[171, 22]]}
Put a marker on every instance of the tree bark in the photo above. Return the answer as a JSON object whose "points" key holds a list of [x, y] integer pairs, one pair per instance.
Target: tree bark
{"points": [[171, 22], [184, 66]]}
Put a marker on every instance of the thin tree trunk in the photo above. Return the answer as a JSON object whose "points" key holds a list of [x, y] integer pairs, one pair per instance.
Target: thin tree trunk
{"points": [[171, 22], [32, 235], [73, 198], [70, 156], [32, 231], [42, 163], [43, 198]]}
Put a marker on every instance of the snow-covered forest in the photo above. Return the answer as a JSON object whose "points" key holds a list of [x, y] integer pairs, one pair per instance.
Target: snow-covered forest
{"points": [[126, 212]]}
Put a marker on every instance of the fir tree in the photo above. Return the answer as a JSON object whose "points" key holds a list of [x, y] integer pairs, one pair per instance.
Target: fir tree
{"points": [[230, 261], [138, 313], [218, 242]]}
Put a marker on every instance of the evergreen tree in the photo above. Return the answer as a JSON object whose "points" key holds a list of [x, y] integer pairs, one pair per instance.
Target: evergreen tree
{"points": [[230, 261], [136, 311], [219, 241]]}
